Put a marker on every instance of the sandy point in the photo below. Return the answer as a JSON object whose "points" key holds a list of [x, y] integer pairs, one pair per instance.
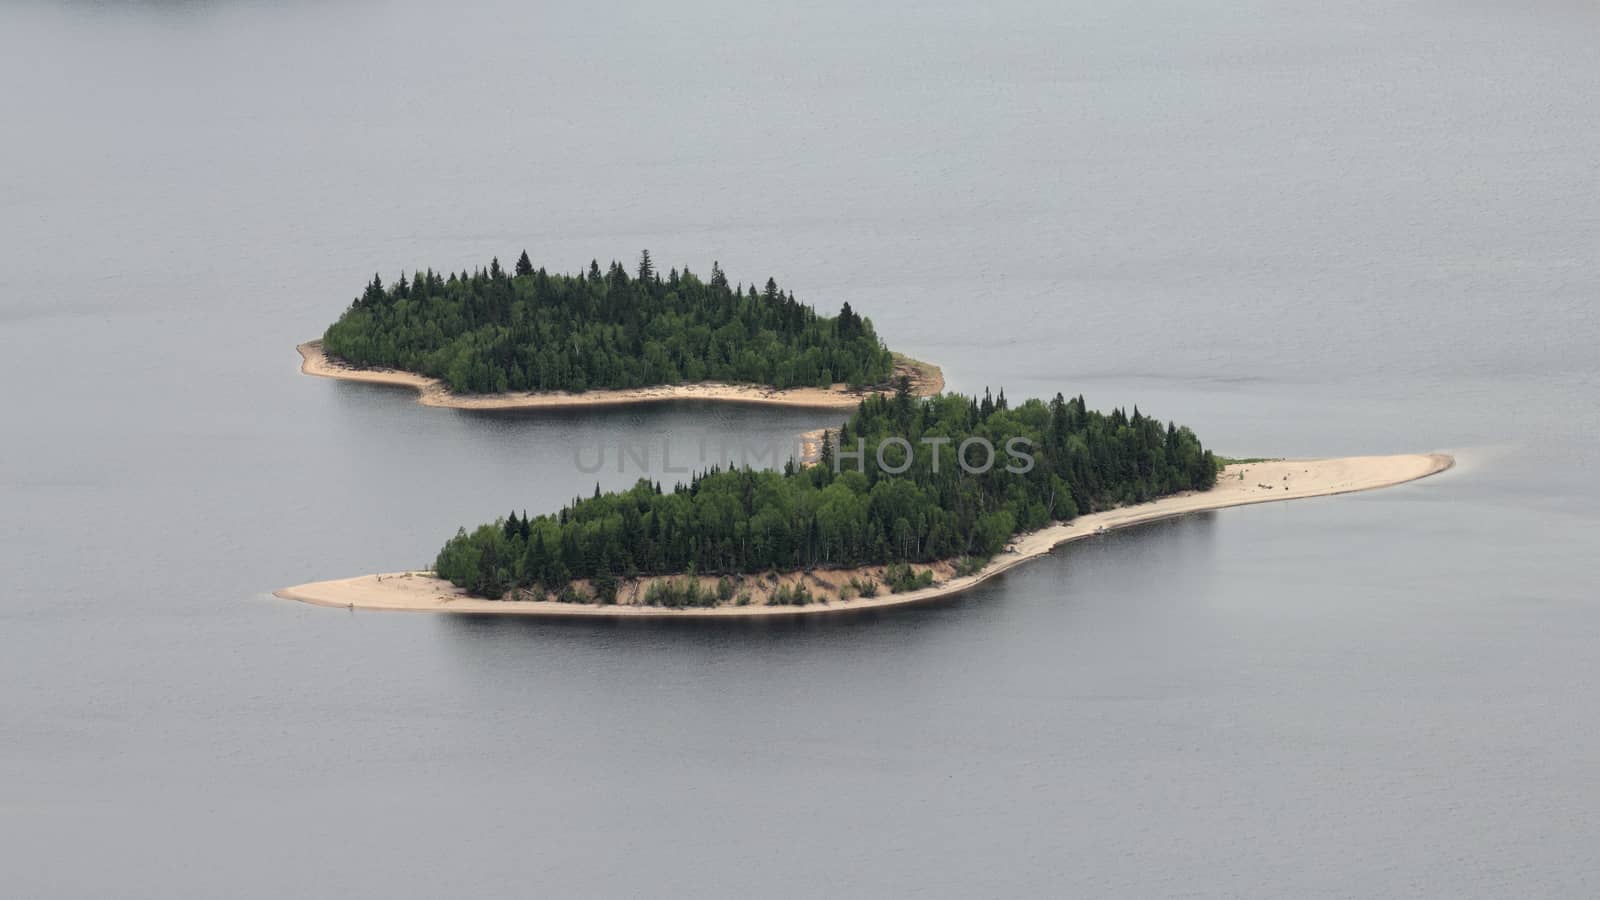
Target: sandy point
{"points": [[926, 379], [1237, 485]]}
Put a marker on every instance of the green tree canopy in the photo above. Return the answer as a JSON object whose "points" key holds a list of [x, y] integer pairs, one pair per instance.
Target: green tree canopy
{"points": [[490, 331], [731, 521]]}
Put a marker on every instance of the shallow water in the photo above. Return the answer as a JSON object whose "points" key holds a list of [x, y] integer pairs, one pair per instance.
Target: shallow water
{"points": [[1300, 229]]}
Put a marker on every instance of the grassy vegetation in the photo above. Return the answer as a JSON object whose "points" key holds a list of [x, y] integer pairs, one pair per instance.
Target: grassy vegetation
{"points": [[1225, 461]]}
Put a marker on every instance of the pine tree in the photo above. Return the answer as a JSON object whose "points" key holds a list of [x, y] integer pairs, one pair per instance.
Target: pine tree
{"points": [[587, 331], [647, 270], [535, 566], [804, 516], [373, 294]]}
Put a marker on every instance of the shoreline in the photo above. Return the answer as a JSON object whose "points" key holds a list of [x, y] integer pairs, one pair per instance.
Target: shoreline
{"points": [[927, 380], [1238, 485]]}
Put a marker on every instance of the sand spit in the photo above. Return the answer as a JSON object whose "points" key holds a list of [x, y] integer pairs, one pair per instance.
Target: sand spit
{"points": [[1238, 485], [926, 379]]}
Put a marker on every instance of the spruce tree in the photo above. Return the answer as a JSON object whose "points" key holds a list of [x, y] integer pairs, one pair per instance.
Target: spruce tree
{"points": [[588, 331]]}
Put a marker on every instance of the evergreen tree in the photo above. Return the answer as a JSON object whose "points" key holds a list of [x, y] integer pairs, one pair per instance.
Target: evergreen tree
{"points": [[728, 520], [484, 332]]}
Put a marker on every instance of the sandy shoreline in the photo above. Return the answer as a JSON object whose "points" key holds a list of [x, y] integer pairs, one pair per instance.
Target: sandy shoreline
{"points": [[1238, 485], [927, 380]]}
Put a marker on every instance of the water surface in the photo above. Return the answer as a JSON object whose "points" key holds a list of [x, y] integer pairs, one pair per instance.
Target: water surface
{"points": [[1301, 229]]}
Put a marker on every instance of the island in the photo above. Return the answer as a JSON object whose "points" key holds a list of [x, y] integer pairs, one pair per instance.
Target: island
{"points": [[525, 338], [912, 499]]}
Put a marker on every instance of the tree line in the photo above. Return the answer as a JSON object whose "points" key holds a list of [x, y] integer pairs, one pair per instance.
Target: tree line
{"points": [[491, 331], [742, 520]]}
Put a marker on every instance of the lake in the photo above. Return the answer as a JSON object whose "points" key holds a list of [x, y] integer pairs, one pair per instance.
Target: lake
{"points": [[1302, 229]]}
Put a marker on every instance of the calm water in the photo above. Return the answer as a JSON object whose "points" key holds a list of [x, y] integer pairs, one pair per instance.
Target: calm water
{"points": [[1302, 228]]}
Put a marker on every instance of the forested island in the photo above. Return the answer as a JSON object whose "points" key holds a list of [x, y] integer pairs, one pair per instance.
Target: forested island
{"points": [[739, 535], [493, 331], [918, 495]]}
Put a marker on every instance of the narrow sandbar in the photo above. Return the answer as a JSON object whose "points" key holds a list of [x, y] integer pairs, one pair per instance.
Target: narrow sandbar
{"points": [[926, 380], [1237, 485]]}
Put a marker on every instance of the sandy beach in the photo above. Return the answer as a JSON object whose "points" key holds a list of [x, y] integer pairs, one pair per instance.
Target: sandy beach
{"points": [[1238, 485], [926, 380]]}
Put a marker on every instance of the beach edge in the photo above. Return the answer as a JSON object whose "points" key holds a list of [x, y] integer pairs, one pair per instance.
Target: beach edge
{"points": [[927, 378], [418, 591]]}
